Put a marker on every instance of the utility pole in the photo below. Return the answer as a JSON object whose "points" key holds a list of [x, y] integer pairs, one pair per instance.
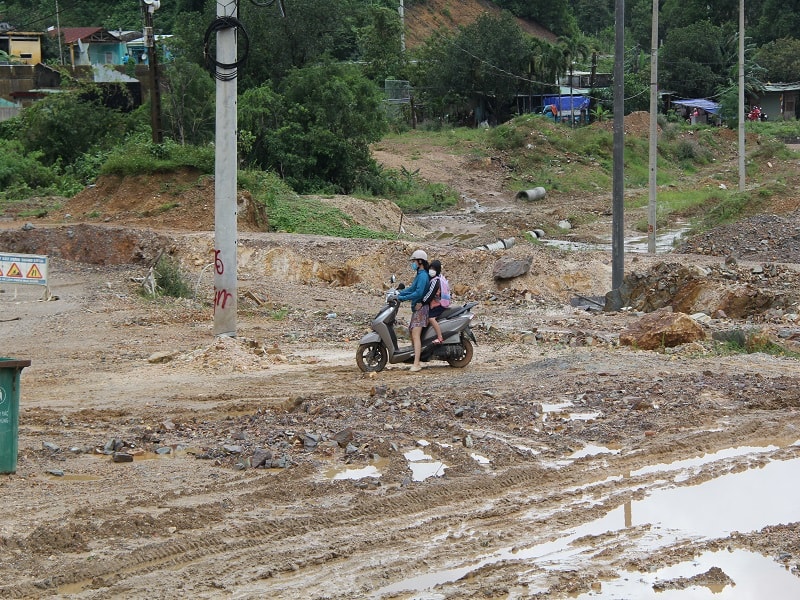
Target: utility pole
{"points": [[651, 208], [226, 296], [618, 181], [741, 96], [402, 27], [150, 6], [58, 31]]}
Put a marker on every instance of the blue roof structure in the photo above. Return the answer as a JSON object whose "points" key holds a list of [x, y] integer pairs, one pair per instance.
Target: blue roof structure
{"points": [[706, 105]]}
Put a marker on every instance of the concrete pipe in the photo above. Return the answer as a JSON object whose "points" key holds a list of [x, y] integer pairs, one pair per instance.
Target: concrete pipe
{"points": [[536, 193]]}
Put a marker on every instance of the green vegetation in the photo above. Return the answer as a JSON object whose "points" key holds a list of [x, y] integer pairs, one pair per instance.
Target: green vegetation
{"points": [[291, 213], [750, 342], [170, 280], [139, 155]]}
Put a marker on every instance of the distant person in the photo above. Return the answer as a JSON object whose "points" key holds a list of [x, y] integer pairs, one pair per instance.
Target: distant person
{"points": [[414, 294], [433, 298]]}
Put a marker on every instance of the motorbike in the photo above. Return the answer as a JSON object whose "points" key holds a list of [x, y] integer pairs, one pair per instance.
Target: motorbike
{"points": [[380, 347]]}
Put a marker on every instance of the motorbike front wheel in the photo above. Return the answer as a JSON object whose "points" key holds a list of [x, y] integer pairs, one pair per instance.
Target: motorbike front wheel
{"points": [[371, 357], [466, 354]]}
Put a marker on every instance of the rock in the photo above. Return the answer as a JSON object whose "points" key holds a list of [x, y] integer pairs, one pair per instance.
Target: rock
{"points": [[343, 437], [232, 448], [260, 457], [55, 472], [51, 446], [161, 357], [662, 329], [164, 450], [508, 268], [121, 457], [564, 224], [311, 440], [28, 227], [351, 449]]}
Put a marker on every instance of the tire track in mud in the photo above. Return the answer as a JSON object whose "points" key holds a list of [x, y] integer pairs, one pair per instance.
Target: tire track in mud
{"points": [[286, 544]]}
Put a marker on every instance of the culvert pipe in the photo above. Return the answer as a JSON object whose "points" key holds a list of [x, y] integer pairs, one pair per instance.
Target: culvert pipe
{"points": [[536, 193]]}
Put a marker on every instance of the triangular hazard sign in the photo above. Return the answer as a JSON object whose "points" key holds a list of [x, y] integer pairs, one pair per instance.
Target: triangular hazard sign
{"points": [[34, 273], [1, 270], [14, 271]]}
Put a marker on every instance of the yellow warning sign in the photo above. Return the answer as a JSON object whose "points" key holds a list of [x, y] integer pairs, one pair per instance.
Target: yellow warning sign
{"points": [[13, 271], [34, 273]]}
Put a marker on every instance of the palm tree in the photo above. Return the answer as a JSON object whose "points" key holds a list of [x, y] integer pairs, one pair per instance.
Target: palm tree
{"points": [[574, 48]]}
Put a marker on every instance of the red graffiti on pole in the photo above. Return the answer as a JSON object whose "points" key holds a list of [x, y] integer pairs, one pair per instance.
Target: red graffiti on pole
{"points": [[219, 266], [221, 298]]}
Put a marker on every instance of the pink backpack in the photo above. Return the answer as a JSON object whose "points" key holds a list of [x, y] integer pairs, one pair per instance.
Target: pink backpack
{"points": [[444, 291]]}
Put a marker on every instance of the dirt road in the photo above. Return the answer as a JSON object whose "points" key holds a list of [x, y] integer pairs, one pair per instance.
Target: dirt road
{"points": [[558, 464]]}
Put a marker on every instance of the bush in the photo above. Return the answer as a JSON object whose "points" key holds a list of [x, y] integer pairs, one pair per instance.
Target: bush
{"points": [[170, 280], [140, 155]]}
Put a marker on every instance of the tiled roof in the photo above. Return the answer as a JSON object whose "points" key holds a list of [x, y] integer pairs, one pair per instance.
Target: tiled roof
{"points": [[73, 34]]}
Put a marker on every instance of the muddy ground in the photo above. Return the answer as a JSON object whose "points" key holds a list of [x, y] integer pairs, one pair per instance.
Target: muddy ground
{"points": [[558, 464]]}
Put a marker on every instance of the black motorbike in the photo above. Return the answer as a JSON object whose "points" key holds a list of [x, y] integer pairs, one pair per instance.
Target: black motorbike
{"points": [[380, 346]]}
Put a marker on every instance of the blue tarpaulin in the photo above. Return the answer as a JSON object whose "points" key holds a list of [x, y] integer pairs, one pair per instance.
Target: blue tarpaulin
{"points": [[706, 105], [565, 103]]}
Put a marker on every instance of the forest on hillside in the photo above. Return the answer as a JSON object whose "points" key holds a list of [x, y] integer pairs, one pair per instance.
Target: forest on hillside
{"points": [[311, 79]]}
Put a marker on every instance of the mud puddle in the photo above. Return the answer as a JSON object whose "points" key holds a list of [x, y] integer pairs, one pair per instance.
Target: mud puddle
{"points": [[747, 500], [665, 242]]}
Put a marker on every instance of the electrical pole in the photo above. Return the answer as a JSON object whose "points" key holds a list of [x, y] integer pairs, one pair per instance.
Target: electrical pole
{"points": [[58, 31], [226, 297], [741, 96], [402, 27], [150, 6], [651, 208], [618, 184]]}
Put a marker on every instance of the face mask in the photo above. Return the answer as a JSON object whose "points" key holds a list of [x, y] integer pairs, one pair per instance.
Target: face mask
{"points": [[414, 266], [432, 272]]}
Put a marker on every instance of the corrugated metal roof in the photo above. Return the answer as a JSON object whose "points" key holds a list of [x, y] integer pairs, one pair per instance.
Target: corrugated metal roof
{"points": [[73, 34], [782, 87]]}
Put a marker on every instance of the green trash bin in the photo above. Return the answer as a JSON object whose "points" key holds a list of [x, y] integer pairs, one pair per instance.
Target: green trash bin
{"points": [[9, 412]]}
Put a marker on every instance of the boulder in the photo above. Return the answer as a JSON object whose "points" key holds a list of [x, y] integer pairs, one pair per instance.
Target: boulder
{"points": [[662, 329], [508, 268]]}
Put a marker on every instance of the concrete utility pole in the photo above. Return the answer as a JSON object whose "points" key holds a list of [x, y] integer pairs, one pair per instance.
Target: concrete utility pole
{"points": [[741, 96], [402, 10], [652, 213], [618, 185], [226, 298], [150, 6]]}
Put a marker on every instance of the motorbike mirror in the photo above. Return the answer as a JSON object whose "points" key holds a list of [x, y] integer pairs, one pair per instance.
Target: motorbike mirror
{"points": [[401, 286], [393, 278]]}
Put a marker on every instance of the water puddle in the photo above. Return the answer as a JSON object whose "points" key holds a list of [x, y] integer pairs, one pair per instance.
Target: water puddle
{"points": [[368, 471], [754, 576], [423, 466], [592, 450], [743, 501], [665, 242]]}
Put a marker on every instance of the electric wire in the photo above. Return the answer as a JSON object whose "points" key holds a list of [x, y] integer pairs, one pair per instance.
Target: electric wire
{"points": [[214, 66]]}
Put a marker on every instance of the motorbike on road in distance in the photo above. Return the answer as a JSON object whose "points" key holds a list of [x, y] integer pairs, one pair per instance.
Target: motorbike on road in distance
{"points": [[380, 347]]}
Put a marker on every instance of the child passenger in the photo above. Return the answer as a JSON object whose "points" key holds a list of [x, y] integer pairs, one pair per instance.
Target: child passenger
{"points": [[433, 297]]}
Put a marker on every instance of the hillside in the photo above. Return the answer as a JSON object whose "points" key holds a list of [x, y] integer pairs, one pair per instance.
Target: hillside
{"points": [[423, 18]]}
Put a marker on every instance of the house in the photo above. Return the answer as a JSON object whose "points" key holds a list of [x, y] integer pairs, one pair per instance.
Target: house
{"points": [[93, 46], [25, 47], [781, 101]]}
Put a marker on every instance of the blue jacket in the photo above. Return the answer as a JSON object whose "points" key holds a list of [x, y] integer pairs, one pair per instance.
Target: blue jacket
{"points": [[417, 288]]}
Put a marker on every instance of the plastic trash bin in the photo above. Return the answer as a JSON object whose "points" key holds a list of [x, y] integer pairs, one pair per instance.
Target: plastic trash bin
{"points": [[9, 412]]}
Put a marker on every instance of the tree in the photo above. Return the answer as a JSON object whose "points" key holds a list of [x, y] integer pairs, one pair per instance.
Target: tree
{"points": [[315, 130], [480, 68], [379, 44], [188, 102], [63, 126], [781, 59], [691, 60]]}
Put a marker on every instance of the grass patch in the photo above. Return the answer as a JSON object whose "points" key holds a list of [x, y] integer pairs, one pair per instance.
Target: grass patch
{"points": [[290, 213], [749, 342], [140, 155], [168, 280]]}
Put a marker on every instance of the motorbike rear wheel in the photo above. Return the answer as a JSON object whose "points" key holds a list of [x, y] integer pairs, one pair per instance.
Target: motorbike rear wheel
{"points": [[371, 357], [466, 355]]}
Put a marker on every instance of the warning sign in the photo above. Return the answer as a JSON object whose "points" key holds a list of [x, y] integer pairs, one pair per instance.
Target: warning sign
{"points": [[23, 268]]}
